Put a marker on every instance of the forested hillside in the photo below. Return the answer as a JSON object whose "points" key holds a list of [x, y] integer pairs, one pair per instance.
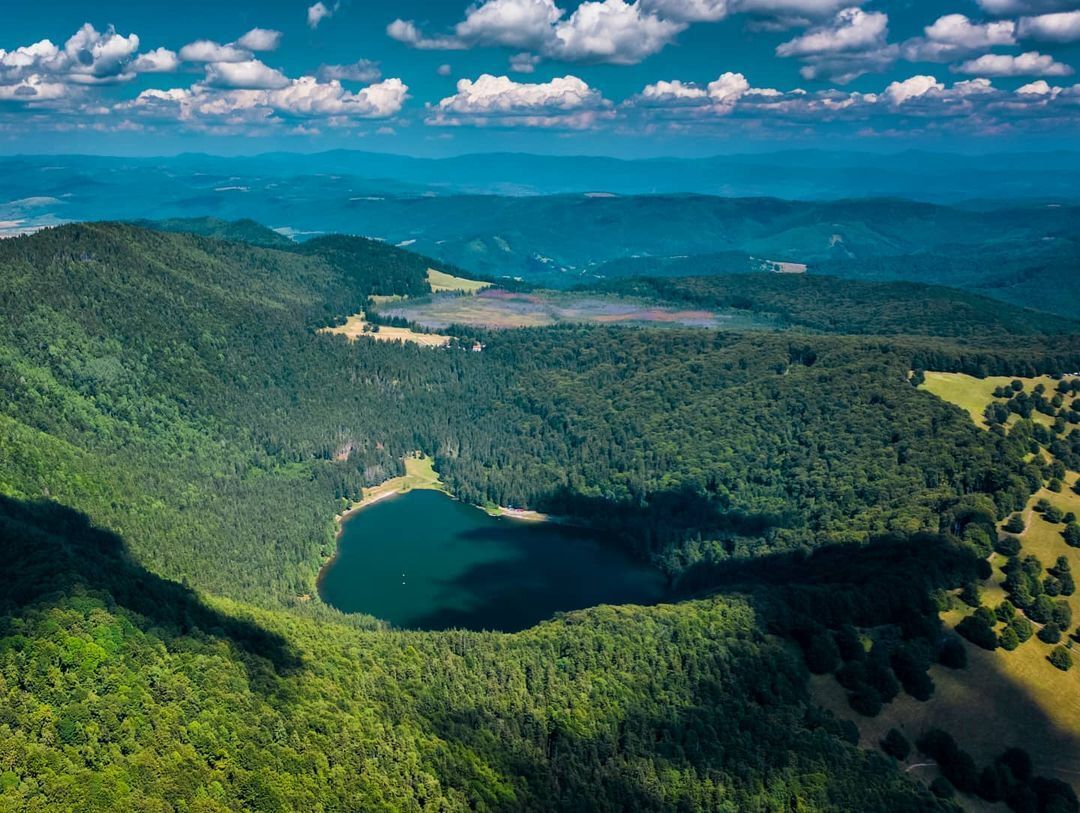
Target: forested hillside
{"points": [[1020, 272], [175, 440], [829, 305]]}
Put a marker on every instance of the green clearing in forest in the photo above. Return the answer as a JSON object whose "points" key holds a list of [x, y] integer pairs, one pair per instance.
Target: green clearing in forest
{"points": [[441, 281], [1002, 698]]}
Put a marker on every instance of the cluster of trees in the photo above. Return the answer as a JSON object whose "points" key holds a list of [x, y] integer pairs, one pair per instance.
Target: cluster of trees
{"points": [[174, 388], [1010, 778], [1036, 598], [1020, 403]]}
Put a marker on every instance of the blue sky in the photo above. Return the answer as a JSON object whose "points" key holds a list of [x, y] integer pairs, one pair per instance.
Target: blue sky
{"points": [[647, 77]]}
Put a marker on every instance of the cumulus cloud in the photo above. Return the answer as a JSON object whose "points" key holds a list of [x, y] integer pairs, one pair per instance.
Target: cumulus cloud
{"points": [[319, 12], [160, 60], [912, 88], [852, 29], [302, 98], [210, 51], [363, 70], [88, 57], [719, 97], [248, 74], [565, 101], [91, 56], [954, 35], [610, 31], [260, 39], [852, 43], [1031, 63], [407, 32], [524, 62], [1063, 26], [512, 23], [33, 88]]}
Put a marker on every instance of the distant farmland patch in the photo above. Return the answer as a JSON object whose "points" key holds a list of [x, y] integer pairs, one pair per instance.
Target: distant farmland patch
{"points": [[495, 308]]}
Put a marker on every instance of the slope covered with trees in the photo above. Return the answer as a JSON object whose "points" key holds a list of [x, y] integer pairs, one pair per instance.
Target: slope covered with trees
{"points": [[177, 437]]}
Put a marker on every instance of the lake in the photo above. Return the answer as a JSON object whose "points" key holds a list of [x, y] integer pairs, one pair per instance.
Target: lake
{"points": [[423, 560]]}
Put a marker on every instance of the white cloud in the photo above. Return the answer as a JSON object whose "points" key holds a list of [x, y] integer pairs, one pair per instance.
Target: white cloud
{"points": [[503, 95], [444, 70], [956, 29], [1040, 87], [565, 101], [674, 91], [912, 88], [28, 56], [308, 96], [210, 51], [852, 43], [160, 60], [407, 32], [954, 35], [303, 98], [251, 74], [90, 56], [1031, 63], [33, 88], [319, 12], [719, 97], [363, 70], [524, 62], [260, 39], [511, 23], [611, 31], [852, 29], [689, 11], [1060, 27]]}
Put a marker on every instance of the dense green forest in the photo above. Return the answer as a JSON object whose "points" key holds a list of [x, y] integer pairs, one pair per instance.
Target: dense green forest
{"points": [[175, 440], [1022, 271], [815, 303]]}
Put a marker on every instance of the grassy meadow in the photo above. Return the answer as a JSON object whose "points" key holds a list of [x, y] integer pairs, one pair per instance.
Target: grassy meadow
{"points": [[1001, 698]]}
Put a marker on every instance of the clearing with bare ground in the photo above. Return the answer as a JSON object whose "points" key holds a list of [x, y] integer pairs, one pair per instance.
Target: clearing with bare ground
{"points": [[357, 326]]}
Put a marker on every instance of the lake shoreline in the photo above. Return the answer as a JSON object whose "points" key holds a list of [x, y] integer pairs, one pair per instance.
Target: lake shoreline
{"points": [[420, 475], [429, 561]]}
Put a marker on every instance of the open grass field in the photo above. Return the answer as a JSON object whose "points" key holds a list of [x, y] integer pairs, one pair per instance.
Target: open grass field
{"points": [[440, 281], [975, 394], [354, 329], [498, 309], [1002, 698], [419, 474]]}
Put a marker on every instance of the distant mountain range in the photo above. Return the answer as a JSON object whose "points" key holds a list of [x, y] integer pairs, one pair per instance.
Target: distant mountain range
{"points": [[793, 175], [1006, 225]]}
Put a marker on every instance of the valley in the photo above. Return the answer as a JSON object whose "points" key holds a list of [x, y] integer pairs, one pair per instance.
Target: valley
{"points": [[174, 458], [540, 406]]}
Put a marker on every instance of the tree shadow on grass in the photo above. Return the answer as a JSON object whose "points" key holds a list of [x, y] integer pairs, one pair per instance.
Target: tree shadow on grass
{"points": [[49, 549]]}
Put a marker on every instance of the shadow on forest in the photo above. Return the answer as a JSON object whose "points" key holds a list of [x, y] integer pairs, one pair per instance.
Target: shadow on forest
{"points": [[664, 517], [48, 548], [888, 584]]}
